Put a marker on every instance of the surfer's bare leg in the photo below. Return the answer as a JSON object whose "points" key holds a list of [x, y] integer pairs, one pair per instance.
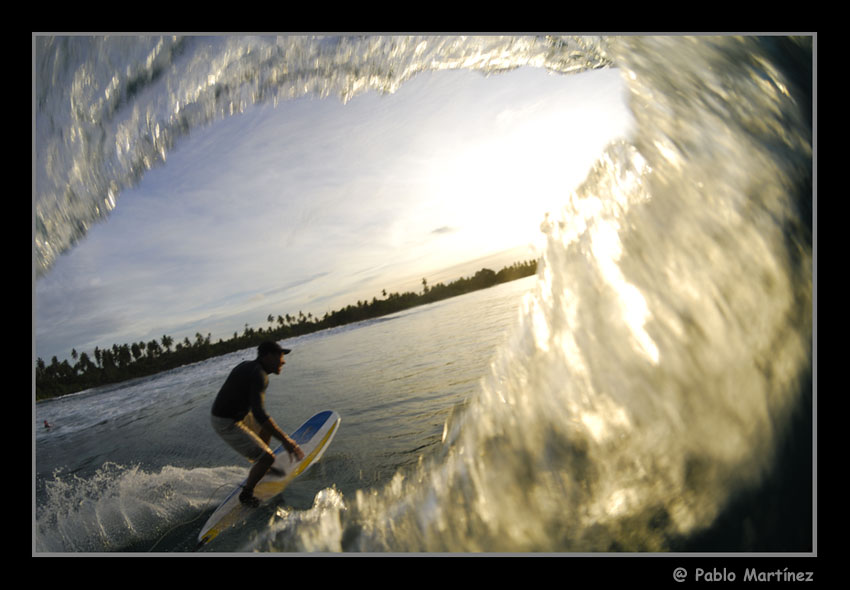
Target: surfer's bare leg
{"points": [[257, 472]]}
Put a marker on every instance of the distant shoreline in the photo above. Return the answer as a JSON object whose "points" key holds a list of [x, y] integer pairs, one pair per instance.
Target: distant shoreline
{"points": [[141, 359]]}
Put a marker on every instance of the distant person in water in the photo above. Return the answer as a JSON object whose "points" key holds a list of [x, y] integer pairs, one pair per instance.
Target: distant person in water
{"points": [[46, 425], [240, 419]]}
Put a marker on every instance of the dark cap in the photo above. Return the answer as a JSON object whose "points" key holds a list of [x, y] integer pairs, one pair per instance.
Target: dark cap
{"points": [[269, 347]]}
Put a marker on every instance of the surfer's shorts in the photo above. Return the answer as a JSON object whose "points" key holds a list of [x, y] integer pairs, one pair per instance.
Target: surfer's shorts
{"points": [[243, 436]]}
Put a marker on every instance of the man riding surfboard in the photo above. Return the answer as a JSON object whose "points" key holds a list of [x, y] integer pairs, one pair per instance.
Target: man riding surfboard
{"points": [[239, 417]]}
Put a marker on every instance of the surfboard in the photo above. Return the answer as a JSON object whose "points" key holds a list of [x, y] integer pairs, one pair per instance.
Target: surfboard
{"points": [[313, 437]]}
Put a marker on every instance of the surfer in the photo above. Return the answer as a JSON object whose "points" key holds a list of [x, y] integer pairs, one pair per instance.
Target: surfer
{"points": [[240, 419]]}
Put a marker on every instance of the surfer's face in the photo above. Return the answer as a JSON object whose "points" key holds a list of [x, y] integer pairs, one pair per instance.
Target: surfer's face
{"points": [[273, 363]]}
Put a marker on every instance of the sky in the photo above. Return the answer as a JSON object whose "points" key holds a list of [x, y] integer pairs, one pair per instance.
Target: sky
{"points": [[314, 204]]}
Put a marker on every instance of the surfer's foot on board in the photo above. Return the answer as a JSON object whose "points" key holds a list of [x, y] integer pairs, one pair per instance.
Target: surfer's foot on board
{"points": [[248, 498]]}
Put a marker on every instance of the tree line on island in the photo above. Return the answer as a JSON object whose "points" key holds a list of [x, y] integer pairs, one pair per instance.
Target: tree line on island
{"points": [[139, 359]]}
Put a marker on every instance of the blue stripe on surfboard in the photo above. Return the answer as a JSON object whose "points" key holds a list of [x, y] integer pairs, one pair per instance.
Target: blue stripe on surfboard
{"points": [[306, 431]]}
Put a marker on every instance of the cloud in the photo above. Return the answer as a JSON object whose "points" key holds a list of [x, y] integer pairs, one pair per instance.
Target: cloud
{"points": [[444, 230]]}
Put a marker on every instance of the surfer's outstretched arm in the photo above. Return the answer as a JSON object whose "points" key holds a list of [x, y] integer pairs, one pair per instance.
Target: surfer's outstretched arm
{"points": [[270, 428]]}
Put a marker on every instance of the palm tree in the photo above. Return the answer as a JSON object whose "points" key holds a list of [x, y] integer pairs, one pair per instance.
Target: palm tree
{"points": [[124, 355], [85, 365], [199, 340], [154, 349]]}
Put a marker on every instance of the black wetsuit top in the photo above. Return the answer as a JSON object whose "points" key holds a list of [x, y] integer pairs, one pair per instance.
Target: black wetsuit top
{"points": [[243, 391]]}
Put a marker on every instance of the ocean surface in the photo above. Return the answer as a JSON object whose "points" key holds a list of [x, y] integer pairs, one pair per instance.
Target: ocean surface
{"points": [[651, 389]]}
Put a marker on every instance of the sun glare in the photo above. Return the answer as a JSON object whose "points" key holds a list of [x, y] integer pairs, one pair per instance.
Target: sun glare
{"points": [[497, 190]]}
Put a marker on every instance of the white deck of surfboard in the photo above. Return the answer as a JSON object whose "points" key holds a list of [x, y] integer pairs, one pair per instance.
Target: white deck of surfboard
{"points": [[313, 437]]}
